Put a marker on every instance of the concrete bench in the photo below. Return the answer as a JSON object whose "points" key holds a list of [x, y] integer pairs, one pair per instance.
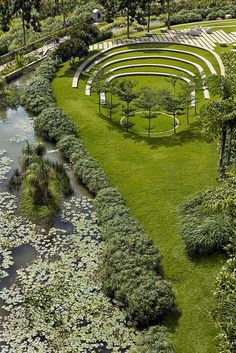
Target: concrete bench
{"points": [[223, 44], [164, 30]]}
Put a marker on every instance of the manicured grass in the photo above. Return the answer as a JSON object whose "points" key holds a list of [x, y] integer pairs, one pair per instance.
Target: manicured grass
{"points": [[155, 61], [187, 48], [155, 175]]}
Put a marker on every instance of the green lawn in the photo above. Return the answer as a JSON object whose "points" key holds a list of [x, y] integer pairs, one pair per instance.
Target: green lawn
{"points": [[155, 175]]}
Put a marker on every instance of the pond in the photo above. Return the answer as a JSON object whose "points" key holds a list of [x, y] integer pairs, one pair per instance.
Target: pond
{"points": [[70, 251]]}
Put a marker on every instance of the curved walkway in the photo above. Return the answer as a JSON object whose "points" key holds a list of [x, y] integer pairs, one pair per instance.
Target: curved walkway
{"points": [[179, 51], [204, 41], [145, 57], [140, 73]]}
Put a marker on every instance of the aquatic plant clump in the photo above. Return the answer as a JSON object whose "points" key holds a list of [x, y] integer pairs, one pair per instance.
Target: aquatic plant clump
{"points": [[56, 303], [5, 165]]}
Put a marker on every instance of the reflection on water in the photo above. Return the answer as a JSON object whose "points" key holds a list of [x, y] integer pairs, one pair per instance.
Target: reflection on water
{"points": [[16, 127]]}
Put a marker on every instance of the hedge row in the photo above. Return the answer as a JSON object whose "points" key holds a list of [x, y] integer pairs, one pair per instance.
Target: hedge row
{"points": [[130, 269], [37, 94]]}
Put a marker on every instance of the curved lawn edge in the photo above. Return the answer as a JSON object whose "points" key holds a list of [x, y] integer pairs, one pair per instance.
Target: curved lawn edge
{"points": [[125, 162]]}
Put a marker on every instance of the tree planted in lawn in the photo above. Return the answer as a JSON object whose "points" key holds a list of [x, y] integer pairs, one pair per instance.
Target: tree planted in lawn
{"points": [[147, 101], [127, 94]]}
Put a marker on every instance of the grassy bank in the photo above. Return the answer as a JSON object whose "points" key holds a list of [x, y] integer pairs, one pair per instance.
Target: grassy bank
{"points": [[155, 176]]}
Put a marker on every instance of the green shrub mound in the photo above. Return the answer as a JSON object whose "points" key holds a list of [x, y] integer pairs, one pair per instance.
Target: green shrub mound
{"points": [[205, 235], [70, 146], [131, 271], [42, 184], [225, 308], [48, 68], [84, 167], [154, 340], [207, 221], [37, 95], [89, 172], [52, 124]]}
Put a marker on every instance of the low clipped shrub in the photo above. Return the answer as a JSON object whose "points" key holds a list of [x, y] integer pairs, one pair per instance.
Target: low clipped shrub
{"points": [[84, 167], [37, 95], [89, 172], [130, 270], [52, 124], [48, 68], [69, 145], [156, 339]]}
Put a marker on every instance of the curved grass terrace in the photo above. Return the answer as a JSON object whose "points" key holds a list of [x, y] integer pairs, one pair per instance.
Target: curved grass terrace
{"points": [[155, 175]]}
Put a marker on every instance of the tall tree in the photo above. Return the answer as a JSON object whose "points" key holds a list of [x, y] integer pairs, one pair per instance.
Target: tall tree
{"points": [[27, 10], [111, 106], [126, 93], [186, 98], [171, 104], [147, 101], [218, 119]]}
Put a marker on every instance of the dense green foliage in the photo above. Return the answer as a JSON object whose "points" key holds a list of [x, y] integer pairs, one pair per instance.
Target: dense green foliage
{"points": [[146, 295], [130, 269], [37, 94], [52, 124], [225, 310], [207, 219], [155, 340], [42, 185]]}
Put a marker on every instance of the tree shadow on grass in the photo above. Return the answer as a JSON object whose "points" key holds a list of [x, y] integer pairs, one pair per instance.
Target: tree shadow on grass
{"points": [[191, 134]]}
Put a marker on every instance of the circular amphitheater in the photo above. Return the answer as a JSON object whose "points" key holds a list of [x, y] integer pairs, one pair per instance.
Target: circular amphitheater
{"points": [[150, 63]]}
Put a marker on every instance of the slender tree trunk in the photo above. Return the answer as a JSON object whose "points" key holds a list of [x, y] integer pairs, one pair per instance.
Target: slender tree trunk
{"points": [[128, 23], [168, 14], [149, 16], [231, 134], [127, 118], [174, 124], [111, 105], [63, 13], [188, 115], [149, 123], [23, 27], [195, 103], [222, 149], [99, 101]]}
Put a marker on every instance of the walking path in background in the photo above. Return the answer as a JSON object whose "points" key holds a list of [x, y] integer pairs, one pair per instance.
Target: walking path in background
{"points": [[39, 53], [204, 40]]}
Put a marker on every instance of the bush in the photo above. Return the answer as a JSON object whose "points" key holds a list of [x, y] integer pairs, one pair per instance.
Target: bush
{"points": [[225, 309], [205, 235], [37, 95], [185, 17], [207, 219], [69, 145], [89, 172], [130, 266], [48, 68], [154, 340], [52, 124]]}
